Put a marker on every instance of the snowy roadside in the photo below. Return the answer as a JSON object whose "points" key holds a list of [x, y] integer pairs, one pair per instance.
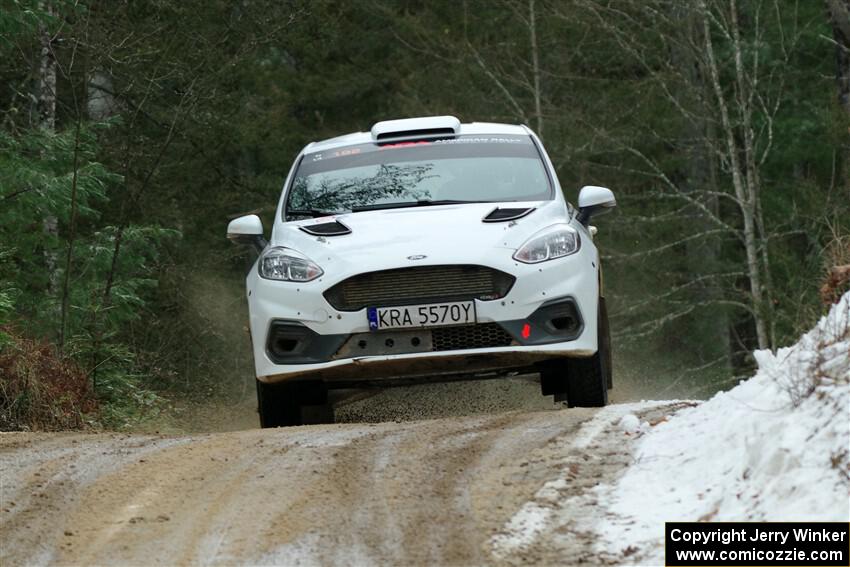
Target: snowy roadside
{"points": [[599, 439], [774, 448]]}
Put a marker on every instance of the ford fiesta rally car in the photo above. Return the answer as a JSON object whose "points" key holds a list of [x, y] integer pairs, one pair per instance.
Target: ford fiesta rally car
{"points": [[425, 249]]}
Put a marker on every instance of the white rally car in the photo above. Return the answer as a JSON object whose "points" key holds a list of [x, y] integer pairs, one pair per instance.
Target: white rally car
{"points": [[425, 249]]}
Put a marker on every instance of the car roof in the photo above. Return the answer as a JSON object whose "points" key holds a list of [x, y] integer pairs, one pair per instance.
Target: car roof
{"points": [[471, 128]]}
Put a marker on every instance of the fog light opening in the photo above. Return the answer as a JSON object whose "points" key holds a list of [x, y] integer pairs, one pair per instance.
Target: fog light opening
{"points": [[284, 344], [526, 331], [564, 323]]}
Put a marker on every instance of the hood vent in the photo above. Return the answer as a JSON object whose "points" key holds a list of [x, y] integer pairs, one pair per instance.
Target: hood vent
{"points": [[503, 215], [334, 228]]}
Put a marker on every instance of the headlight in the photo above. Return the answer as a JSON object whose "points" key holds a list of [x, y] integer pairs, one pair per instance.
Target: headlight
{"points": [[286, 264], [554, 242]]}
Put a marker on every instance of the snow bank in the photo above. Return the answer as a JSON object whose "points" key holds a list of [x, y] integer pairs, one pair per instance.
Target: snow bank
{"points": [[773, 448], [558, 501]]}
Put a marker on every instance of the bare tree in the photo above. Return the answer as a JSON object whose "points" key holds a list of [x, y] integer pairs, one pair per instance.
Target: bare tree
{"points": [[740, 152], [514, 70], [728, 100]]}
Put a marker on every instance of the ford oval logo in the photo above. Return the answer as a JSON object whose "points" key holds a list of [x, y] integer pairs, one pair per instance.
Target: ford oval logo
{"points": [[417, 257]]}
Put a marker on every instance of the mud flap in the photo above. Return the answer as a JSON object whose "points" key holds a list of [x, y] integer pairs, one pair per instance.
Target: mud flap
{"points": [[553, 379]]}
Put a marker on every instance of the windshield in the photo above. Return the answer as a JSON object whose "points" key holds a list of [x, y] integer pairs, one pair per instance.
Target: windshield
{"points": [[468, 168]]}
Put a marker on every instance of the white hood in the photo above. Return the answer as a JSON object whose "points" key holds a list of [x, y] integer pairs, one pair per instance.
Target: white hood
{"points": [[384, 239]]}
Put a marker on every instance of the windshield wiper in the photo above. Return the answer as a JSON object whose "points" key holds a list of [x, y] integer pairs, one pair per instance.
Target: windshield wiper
{"points": [[405, 204], [315, 213]]}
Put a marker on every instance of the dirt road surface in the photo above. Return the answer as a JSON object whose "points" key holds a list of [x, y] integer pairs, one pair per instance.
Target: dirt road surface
{"points": [[449, 491]]}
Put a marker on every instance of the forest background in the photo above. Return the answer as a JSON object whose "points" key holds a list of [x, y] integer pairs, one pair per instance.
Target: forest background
{"points": [[131, 131]]}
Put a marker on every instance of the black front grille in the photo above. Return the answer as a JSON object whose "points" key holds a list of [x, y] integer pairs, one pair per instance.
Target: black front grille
{"points": [[425, 284], [483, 335]]}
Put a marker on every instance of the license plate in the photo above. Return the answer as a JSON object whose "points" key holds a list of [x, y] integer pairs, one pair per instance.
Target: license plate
{"points": [[416, 316]]}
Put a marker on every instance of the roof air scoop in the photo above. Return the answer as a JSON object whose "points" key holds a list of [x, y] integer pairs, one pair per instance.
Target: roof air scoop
{"points": [[334, 228], [503, 215], [416, 127]]}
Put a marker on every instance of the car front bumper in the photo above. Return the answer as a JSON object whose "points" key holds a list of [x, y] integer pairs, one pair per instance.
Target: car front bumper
{"points": [[319, 342]]}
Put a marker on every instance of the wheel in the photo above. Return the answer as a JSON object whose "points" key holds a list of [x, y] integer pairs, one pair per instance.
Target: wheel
{"points": [[296, 403], [589, 378], [582, 382]]}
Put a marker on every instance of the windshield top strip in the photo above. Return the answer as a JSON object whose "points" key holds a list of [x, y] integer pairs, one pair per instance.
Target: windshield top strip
{"points": [[374, 154]]}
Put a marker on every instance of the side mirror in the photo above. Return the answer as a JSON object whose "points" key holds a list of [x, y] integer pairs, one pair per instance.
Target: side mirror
{"points": [[593, 200], [247, 231]]}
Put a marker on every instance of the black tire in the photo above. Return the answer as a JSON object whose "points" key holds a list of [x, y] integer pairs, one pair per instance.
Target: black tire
{"points": [[582, 382], [589, 378], [297, 403]]}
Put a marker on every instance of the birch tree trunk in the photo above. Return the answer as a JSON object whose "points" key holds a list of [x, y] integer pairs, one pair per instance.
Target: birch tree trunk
{"points": [[46, 114], [700, 182], [46, 97], [744, 177], [746, 81]]}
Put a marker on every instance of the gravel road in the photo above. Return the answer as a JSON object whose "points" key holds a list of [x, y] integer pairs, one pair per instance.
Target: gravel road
{"points": [[446, 491]]}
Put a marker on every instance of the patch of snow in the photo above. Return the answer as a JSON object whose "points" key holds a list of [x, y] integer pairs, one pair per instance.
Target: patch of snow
{"points": [[602, 420], [774, 448], [310, 549], [630, 424], [340, 437], [522, 529], [536, 516]]}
